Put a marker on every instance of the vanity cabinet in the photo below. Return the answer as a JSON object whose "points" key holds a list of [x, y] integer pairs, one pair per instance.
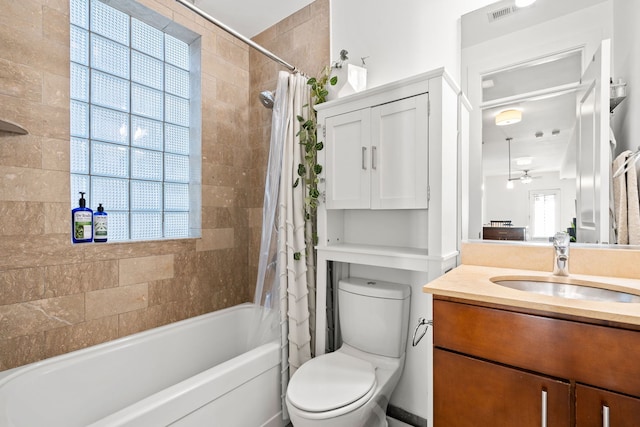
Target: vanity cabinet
{"points": [[572, 372], [471, 392], [596, 407], [377, 157]]}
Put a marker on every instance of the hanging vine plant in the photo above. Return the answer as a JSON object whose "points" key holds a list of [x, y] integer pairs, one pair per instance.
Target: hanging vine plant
{"points": [[309, 170]]}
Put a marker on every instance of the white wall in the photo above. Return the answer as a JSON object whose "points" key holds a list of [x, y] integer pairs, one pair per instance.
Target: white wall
{"points": [[626, 65], [401, 38]]}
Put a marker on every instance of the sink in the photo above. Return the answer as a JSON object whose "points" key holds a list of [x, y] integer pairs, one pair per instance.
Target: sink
{"points": [[581, 290]]}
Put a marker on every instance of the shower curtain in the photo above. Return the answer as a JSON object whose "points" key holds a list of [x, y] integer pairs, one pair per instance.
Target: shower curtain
{"points": [[286, 272]]}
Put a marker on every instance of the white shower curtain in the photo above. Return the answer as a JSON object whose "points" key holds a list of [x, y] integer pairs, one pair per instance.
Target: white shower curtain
{"points": [[295, 296], [286, 274]]}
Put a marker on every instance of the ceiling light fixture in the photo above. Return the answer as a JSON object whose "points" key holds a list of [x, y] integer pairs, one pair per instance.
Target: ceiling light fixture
{"points": [[524, 3], [487, 84], [524, 161], [508, 117]]}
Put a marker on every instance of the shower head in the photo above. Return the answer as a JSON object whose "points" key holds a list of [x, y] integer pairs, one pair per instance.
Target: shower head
{"points": [[266, 98]]}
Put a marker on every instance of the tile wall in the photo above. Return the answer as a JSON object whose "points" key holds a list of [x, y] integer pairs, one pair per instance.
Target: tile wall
{"points": [[302, 40], [56, 297]]}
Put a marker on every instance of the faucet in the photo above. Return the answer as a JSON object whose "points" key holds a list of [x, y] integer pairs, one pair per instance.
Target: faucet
{"points": [[561, 259]]}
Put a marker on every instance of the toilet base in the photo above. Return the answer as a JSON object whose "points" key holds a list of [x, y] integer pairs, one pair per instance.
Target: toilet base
{"points": [[371, 414]]}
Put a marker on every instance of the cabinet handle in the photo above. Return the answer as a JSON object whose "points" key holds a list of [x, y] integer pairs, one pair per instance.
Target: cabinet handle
{"points": [[374, 150], [605, 416], [364, 155], [544, 408]]}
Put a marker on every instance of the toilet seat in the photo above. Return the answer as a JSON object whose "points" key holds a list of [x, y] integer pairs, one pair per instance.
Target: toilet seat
{"points": [[331, 382]]}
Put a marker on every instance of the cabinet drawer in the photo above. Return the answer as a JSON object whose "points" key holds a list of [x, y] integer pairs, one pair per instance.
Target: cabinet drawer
{"points": [[471, 392], [591, 354], [621, 410]]}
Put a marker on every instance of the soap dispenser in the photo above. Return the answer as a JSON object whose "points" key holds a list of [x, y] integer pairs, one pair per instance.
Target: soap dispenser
{"points": [[100, 225], [82, 222]]}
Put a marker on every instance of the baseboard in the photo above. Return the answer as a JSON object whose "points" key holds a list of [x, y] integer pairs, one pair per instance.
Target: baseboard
{"points": [[406, 417]]}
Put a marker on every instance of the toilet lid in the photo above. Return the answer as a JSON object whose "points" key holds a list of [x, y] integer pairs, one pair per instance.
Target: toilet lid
{"points": [[330, 381]]}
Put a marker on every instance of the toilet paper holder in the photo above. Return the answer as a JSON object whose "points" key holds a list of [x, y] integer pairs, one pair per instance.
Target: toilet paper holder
{"points": [[421, 322]]}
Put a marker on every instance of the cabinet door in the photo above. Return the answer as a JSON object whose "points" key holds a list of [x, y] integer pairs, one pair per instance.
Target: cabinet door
{"points": [[399, 154], [600, 408], [348, 160], [471, 392]]}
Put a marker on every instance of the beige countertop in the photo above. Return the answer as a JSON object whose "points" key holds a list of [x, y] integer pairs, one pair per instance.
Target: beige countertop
{"points": [[473, 282]]}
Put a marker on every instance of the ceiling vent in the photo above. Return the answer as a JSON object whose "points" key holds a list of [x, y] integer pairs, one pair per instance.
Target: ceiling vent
{"points": [[501, 13]]}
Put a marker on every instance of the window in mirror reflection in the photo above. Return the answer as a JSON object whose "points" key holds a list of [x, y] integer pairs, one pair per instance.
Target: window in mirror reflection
{"points": [[545, 213]]}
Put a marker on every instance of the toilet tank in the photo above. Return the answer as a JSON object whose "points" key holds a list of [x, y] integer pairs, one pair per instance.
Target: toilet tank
{"points": [[374, 315]]}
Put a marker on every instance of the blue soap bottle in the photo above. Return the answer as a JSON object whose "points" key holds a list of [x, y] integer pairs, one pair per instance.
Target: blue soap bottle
{"points": [[100, 225], [82, 222]]}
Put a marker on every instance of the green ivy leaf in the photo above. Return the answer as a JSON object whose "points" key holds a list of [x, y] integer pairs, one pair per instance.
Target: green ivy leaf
{"points": [[314, 193], [312, 81], [333, 80], [295, 184], [301, 170], [297, 256], [317, 169], [319, 146]]}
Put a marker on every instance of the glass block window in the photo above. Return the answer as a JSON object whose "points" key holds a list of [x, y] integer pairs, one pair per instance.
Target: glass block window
{"points": [[131, 120]]}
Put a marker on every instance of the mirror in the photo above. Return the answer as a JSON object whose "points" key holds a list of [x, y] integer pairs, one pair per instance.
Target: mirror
{"points": [[528, 167], [530, 61]]}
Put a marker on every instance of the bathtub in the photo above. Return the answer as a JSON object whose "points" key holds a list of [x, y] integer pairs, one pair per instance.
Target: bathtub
{"points": [[197, 372]]}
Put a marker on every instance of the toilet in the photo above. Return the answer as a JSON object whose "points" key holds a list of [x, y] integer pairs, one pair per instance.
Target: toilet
{"points": [[351, 387]]}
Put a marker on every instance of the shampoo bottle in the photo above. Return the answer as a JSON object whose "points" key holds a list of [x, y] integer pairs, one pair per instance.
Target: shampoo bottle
{"points": [[82, 222], [100, 225]]}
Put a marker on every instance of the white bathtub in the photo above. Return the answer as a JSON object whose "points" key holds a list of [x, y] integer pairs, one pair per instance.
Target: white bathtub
{"points": [[197, 372]]}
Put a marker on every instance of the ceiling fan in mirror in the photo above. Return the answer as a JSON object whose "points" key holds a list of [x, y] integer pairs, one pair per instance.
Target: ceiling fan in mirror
{"points": [[525, 178]]}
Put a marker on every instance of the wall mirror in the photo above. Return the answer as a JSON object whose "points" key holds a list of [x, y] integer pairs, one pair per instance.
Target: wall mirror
{"points": [[545, 71]]}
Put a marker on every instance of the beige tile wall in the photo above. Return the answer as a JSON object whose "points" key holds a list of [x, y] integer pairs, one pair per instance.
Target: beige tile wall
{"points": [[56, 297], [302, 40]]}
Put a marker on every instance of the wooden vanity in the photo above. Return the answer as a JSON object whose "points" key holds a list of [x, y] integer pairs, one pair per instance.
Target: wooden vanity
{"points": [[504, 357], [495, 366]]}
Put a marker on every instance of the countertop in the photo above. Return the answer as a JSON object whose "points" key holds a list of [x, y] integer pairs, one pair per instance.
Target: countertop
{"points": [[472, 282]]}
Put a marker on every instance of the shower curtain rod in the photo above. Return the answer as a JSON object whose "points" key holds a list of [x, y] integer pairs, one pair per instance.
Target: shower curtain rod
{"points": [[234, 33]]}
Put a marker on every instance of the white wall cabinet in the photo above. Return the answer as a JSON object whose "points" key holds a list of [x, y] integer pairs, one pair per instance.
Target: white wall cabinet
{"points": [[378, 157], [391, 201]]}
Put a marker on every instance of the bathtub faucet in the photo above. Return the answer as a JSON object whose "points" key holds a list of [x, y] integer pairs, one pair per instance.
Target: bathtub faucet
{"points": [[561, 258]]}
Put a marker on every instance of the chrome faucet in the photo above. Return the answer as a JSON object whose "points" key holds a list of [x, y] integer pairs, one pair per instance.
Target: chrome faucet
{"points": [[561, 259]]}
